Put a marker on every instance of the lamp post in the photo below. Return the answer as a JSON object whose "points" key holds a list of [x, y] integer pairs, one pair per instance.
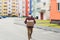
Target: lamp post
{"points": [[30, 7]]}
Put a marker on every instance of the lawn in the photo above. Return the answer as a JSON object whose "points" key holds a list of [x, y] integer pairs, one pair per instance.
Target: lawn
{"points": [[46, 23]]}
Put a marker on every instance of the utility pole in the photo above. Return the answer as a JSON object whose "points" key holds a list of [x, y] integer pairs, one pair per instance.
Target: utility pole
{"points": [[30, 7]]}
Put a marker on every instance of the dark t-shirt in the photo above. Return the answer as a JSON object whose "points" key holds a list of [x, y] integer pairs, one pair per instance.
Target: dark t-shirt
{"points": [[29, 18]]}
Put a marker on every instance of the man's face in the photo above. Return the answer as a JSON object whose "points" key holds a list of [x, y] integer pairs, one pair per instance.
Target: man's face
{"points": [[29, 16]]}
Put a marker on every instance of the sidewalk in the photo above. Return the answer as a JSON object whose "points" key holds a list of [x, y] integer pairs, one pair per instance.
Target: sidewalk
{"points": [[21, 22], [57, 30]]}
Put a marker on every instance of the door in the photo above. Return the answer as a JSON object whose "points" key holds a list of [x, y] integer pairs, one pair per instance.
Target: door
{"points": [[41, 14]]}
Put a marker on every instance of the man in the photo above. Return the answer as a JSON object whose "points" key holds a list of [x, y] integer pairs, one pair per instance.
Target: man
{"points": [[32, 21]]}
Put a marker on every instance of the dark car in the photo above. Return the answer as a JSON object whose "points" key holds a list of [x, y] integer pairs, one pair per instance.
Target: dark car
{"points": [[4, 16], [0, 17]]}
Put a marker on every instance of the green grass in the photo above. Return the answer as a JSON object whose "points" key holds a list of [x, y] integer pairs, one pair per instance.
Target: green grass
{"points": [[46, 23]]}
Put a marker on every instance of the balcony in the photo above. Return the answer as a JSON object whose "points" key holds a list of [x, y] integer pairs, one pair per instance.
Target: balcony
{"points": [[13, 4]]}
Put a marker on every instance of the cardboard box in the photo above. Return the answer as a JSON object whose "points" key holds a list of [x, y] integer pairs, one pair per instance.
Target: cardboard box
{"points": [[30, 23]]}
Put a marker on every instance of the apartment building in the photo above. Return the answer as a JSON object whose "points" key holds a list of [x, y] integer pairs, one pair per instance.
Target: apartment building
{"points": [[24, 7], [9, 7], [14, 10], [40, 8], [0, 7], [27, 7], [4, 8], [14, 7], [55, 11]]}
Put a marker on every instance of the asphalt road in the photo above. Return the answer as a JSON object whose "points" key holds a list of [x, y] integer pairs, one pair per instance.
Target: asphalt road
{"points": [[11, 31]]}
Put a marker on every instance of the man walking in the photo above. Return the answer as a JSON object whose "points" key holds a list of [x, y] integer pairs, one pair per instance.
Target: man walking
{"points": [[30, 21]]}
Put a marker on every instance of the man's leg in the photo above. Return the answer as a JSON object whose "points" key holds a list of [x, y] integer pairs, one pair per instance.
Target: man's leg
{"points": [[31, 30], [28, 33]]}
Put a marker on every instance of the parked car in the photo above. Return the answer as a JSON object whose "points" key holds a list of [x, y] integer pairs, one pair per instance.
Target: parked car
{"points": [[0, 17], [4, 16]]}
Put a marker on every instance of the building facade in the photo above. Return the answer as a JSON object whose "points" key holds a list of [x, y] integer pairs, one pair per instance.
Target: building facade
{"points": [[15, 7], [40, 8], [9, 7], [0, 7], [25, 7], [55, 11], [4, 7]]}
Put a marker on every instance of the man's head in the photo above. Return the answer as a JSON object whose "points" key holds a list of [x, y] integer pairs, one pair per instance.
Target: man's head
{"points": [[29, 15]]}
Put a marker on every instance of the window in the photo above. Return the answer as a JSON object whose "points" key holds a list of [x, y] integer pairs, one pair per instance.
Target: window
{"points": [[5, 12], [9, 11], [0, 2], [13, 2], [5, 5], [58, 3], [44, 4], [38, 1], [9, 0], [22, 11], [23, 7], [13, 12], [0, 6], [0, 9], [0, 13], [49, 9], [9, 4], [16, 3], [59, 6], [5, 2], [13, 9], [5, 9], [16, 0], [9, 8], [38, 9], [13, 6]]}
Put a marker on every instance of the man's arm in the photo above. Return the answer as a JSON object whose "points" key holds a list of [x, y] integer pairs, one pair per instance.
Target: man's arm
{"points": [[25, 21], [34, 21]]}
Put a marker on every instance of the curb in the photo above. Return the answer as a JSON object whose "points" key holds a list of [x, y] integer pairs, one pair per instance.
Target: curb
{"points": [[57, 30]]}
